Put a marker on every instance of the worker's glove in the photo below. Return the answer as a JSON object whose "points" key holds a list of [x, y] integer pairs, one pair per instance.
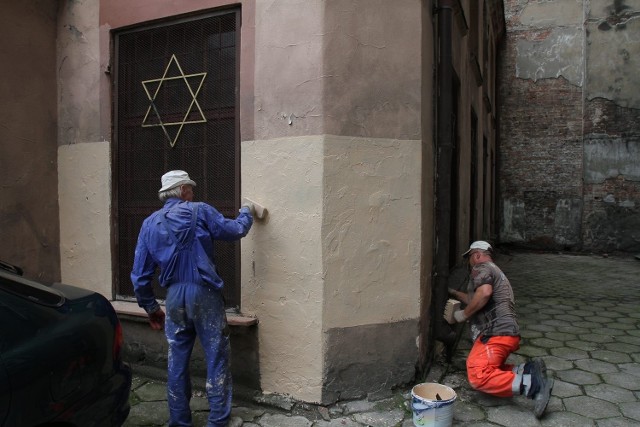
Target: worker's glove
{"points": [[460, 316], [156, 319], [248, 206], [452, 292]]}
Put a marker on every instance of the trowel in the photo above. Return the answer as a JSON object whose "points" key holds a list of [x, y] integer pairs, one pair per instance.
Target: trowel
{"points": [[260, 211]]}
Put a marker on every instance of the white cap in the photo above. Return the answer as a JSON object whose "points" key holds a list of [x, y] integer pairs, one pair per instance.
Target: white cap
{"points": [[173, 179], [479, 244]]}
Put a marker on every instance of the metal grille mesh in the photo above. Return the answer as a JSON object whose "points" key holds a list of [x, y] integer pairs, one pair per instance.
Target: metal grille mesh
{"points": [[176, 109]]}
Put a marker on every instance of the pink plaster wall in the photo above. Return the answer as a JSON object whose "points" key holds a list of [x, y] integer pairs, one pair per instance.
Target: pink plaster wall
{"points": [[372, 68], [119, 14]]}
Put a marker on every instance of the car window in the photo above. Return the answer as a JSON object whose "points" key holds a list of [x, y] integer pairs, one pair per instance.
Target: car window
{"points": [[22, 319]]}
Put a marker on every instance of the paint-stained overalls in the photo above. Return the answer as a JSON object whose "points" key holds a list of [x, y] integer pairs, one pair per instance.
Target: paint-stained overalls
{"points": [[179, 239]]}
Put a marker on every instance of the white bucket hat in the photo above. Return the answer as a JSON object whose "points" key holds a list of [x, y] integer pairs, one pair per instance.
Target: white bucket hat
{"points": [[175, 178], [479, 244]]}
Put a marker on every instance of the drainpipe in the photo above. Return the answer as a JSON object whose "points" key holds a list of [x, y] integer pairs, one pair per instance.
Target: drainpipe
{"points": [[444, 155]]}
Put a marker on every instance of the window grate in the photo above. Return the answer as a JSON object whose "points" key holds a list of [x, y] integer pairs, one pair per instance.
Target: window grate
{"points": [[176, 108]]}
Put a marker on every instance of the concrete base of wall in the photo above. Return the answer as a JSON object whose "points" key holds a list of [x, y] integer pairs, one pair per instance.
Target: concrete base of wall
{"points": [[146, 351], [355, 355]]}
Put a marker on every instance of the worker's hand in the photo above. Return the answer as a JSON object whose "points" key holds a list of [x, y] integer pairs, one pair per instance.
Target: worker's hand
{"points": [[249, 205], [156, 319], [452, 292], [460, 316]]}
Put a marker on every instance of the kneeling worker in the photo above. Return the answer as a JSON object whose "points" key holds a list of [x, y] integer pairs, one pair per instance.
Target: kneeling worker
{"points": [[490, 309]]}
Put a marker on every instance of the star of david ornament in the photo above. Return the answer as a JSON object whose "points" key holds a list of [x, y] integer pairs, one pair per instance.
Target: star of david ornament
{"points": [[153, 87]]}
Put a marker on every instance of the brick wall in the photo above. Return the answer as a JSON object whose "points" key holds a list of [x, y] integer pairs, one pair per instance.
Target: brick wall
{"points": [[540, 156]]}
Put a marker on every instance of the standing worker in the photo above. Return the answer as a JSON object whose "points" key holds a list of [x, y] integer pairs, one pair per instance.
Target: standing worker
{"points": [[490, 308], [179, 239]]}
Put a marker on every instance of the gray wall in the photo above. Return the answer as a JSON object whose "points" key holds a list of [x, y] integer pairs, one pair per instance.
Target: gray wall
{"points": [[569, 129], [29, 223]]}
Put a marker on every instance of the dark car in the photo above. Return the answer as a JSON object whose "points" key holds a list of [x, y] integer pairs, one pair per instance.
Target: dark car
{"points": [[60, 356]]}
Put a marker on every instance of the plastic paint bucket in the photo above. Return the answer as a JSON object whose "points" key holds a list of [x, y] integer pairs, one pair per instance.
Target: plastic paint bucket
{"points": [[432, 405]]}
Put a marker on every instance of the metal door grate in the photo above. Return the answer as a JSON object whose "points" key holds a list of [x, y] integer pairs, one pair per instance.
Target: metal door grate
{"points": [[176, 108]]}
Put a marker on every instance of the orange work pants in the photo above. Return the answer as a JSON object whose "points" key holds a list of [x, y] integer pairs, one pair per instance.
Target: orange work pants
{"points": [[486, 368]]}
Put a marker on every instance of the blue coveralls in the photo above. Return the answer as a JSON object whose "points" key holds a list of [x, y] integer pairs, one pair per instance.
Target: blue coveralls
{"points": [[194, 305]]}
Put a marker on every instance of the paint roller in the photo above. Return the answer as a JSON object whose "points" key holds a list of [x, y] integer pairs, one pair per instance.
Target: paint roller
{"points": [[260, 212]]}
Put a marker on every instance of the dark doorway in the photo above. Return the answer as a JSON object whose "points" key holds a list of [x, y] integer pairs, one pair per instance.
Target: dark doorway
{"points": [[454, 250], [473, 181]]}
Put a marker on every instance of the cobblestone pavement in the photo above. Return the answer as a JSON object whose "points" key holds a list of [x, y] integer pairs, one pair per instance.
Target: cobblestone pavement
{"points": [[580, 313]]}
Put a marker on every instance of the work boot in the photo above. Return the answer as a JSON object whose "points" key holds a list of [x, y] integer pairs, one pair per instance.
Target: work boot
{"points": [[542, 398], [537, 370], [540, 365], [541, 386]]}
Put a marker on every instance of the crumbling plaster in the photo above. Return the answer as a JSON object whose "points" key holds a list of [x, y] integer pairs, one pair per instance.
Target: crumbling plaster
{"points": [[609, 8], [556, 55], [552, 14], [513, 220], [592, 45], [563, 33], [611, 146], [608, 158], [613, 59], [555, 46]]}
